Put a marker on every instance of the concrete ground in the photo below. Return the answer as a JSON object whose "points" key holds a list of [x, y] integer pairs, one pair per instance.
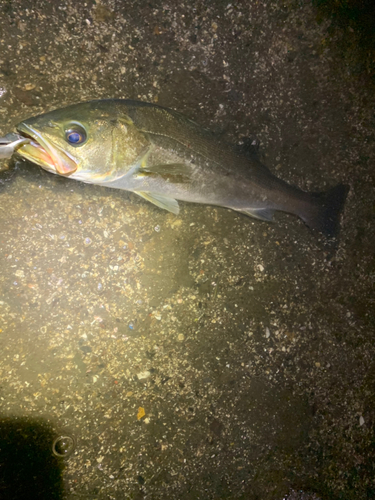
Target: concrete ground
{"points": [[207, 355]]}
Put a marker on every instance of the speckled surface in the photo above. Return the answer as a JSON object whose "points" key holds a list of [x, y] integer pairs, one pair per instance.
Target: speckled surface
{"points": [[204, 356]]}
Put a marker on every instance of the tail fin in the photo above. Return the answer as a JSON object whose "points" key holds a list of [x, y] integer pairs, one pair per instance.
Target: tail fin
{"points": [[324, 215]]}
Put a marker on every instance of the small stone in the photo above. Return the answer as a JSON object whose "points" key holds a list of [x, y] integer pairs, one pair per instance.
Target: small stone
{"points": [[143, 375], [181, 337], [267, 332], [361, 420]]}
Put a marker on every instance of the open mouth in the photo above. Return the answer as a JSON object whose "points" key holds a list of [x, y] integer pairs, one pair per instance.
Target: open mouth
{"points": [[44, 154]]}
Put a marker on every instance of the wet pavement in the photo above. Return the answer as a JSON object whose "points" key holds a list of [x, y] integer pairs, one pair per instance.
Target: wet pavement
{"points": [[202, 356]]}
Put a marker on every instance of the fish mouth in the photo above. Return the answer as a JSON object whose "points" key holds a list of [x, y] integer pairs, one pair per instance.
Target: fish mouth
{"points": [[40, 151]]}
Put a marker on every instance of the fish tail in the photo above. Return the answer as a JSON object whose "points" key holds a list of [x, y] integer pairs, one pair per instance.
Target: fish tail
{"points": [[324, 212]]}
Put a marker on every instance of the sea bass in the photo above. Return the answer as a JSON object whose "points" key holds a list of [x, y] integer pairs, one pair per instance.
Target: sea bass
{"points": [[163, 156]]}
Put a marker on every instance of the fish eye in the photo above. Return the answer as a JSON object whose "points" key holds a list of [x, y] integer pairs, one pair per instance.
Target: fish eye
{"points": [[76, 136]]}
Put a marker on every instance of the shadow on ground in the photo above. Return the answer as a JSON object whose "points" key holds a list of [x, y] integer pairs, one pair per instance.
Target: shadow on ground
{"points": [[353, 27], [28, 467]]}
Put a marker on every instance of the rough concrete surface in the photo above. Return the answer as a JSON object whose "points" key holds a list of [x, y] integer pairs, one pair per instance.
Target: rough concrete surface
{"points": [[202, 356]]}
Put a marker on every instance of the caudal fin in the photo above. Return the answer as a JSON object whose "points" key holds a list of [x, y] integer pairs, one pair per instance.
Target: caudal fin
{"points": [[326, 208]]}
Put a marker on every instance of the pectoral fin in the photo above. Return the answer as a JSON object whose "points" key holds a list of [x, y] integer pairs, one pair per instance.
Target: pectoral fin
{"points": [[161, 201], [175, 173]]}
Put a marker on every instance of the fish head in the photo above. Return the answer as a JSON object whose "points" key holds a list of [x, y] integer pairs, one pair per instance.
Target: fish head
{"points": [[93, 142]]}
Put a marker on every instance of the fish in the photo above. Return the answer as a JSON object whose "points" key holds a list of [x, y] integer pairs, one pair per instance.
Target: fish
{"points": [[164, 157]]}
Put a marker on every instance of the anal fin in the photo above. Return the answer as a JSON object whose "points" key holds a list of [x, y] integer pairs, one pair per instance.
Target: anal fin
{"points": [[265, 214]]}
